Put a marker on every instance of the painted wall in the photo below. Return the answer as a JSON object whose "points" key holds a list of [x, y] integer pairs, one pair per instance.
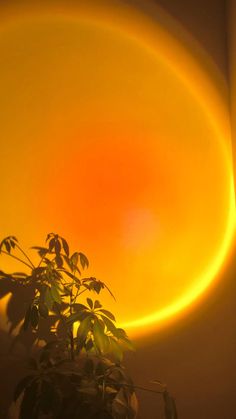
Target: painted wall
{"points": [[197, 357], [231, 32]]}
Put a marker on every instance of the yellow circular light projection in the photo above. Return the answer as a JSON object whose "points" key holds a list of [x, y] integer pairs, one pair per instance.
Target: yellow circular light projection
{"points": [[115, 136]]}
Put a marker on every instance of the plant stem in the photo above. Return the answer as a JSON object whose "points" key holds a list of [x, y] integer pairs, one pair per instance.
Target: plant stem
{"points": [[141, 388], [15, 257], [82, 292], [145, 389], [25, 255], [72, 348], [76, 296], [42, 259]]}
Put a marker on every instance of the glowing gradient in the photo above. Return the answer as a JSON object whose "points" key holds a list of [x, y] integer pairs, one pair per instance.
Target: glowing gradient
{"points": [[114, 137]]}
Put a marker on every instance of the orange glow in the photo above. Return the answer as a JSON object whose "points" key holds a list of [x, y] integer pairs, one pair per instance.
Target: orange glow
{"points": [[114, 136]]}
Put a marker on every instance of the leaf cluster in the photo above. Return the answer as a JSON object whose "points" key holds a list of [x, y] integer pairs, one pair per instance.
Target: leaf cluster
{"points": [[51, 291], [94, 387], [79, 369]]}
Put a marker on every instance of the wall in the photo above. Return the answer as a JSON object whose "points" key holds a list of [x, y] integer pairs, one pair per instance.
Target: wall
{"points": [[231, 16], [196, 357]]}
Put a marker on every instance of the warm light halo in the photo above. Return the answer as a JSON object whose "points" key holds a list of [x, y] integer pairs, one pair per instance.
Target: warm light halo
{"points": [[220, 257]]}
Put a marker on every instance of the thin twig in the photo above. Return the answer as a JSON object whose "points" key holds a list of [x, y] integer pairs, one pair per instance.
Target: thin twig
{"points": [[141, 388], [25, 255], [86, 289], [15, 257]]}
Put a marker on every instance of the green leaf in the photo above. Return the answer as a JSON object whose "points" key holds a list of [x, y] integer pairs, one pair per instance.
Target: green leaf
{"points": [[68, 261], [91, 391], [87, 286], [34, 316], [9, 242], [27, 319], [90, 303], [14, 238], [95, 285], [110, 325], [38, 271], [121, 333], [48, 299], [89, 345], [42, 251], [49, 235], [21, 386], [77, 270], [75, 317], [110, 390], [59, 260], [108, 314], [57, 274], [84, 261], [170, 407], [19, 274], [65, 246], [74, 258], [126, 344], [115, 349], [43, 310], [28, 408], [55, 294], [134, 404], [7, 246], [66, 291], [119, 405], [57, 247], [97, 304], [51, 245], [101, 340], [79, 307], [70, 275], [84, 328]]}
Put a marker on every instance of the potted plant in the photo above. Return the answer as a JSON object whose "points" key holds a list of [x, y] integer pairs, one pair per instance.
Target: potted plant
{"points": [[76, 370]]}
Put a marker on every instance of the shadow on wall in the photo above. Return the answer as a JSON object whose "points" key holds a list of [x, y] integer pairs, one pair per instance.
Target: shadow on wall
{"points": [[15, 351], [12, 367], [206, 21]]}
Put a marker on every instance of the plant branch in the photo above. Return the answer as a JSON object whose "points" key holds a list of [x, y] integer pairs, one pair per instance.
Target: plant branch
{"points": [[72, 354], [141, 388], [76, 296], [25, 255], [41, 260], [145, 389], [86, 289], [15, 257]]}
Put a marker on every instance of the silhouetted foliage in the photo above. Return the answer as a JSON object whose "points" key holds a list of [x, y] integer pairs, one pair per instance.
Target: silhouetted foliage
{"points": [[78, 372]]}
